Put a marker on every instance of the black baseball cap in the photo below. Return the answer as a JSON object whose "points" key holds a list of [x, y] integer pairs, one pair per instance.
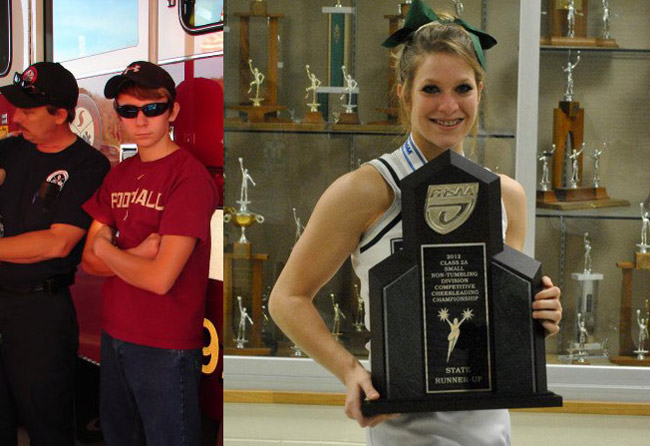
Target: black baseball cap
{"points": [[44, 83], [144, 74]]}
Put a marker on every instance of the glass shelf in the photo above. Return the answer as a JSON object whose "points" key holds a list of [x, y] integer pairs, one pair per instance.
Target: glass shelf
{"points": [[595, 50], [338, 129], [614, 213]]}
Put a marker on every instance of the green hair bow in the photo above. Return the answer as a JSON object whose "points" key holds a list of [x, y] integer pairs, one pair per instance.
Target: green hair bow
{"points": [[420, 14]]}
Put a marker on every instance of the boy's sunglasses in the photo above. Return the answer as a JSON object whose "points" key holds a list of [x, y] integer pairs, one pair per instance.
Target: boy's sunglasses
{"points": [[149, 110]]}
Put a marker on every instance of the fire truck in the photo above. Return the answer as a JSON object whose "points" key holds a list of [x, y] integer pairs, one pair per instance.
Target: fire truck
{"points": [[95, 40]]}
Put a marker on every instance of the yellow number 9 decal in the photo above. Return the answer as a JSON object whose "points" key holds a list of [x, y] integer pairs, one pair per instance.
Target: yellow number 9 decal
{"points": [[212, 349]]}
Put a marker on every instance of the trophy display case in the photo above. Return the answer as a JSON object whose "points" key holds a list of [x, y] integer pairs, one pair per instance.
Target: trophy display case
{"points": [[332, 91], [595, 135], [294, 153]]}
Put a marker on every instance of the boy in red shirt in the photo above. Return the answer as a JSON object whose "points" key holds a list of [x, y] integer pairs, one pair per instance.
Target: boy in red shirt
{"points": [[151, 237]]}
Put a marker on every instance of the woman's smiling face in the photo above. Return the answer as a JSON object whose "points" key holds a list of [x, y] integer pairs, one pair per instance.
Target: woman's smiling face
{"points": [[443, 103]]}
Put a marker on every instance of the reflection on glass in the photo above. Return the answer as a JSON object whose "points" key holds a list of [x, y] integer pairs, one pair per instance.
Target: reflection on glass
{"points": [[204, 13], [82, 29]]}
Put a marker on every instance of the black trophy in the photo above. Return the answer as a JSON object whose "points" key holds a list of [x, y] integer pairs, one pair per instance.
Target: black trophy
{"points": [[451, 312]]}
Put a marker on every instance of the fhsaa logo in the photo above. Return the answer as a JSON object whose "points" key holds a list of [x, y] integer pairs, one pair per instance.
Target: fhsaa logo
{"points": [[449, 205]]}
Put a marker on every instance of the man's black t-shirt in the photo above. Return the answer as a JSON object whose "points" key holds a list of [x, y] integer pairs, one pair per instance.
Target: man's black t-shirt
{"points": [[42, 189]]}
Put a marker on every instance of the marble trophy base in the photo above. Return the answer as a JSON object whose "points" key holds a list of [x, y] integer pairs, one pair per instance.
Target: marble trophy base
{"points": [[573, 41], [546, 196], [569, 199], [581, 193], [630, 361], [314, 117], [262, 113], [259, 7], [247, 351], [643, 259], [392, 116], [348, 119], [581, 360], [608, 43]]}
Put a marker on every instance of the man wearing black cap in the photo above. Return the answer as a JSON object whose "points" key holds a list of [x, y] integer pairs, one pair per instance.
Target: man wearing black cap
{"points": [[153, 303], [50, 173]]}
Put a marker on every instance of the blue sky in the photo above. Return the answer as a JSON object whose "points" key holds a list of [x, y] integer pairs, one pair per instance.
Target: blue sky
{"points": [[104, 25]]}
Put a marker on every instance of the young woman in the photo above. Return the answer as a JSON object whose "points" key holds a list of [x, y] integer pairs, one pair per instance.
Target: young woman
{"points": [[440, 79]]}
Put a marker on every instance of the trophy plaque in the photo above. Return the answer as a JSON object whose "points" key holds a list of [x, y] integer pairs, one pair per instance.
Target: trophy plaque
{"points": [[451, 315], [258, 112]]}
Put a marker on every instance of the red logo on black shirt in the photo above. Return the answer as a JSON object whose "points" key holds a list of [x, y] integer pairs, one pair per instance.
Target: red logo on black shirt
{"points": [[58, 177]]}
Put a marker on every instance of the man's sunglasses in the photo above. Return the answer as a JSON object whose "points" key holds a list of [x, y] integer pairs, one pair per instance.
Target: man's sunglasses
{"points": [[149, 110], [31, 89]]}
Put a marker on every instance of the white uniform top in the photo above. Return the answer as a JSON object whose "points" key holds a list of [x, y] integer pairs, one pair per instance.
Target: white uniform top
{"points": [[476, 428]]}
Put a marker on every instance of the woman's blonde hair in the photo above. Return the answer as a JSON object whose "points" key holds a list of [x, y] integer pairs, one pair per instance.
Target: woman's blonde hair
{"points": [[434, 37]]}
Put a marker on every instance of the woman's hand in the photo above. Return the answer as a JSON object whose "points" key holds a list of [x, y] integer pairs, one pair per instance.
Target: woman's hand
{"points": [[358, 386], [547, 307]]}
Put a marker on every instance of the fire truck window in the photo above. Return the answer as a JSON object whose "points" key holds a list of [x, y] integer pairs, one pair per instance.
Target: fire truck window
{"points": [[201, 15], [82, 29], [5, 37]]}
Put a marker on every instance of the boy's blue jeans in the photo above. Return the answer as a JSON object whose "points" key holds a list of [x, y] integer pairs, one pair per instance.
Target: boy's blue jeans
{"points": [[149, 395]]}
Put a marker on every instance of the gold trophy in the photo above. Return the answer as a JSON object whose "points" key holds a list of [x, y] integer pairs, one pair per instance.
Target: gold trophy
{"points": [[243, 218], [243, 278], [250, 77], [313, 116]]}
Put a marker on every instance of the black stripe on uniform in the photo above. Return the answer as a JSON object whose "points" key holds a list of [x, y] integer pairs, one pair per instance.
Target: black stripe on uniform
{"points": [[391, 171], [383, 232]]}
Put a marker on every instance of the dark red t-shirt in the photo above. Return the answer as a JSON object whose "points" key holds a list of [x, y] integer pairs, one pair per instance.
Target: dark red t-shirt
{"points": [[170, 196]]}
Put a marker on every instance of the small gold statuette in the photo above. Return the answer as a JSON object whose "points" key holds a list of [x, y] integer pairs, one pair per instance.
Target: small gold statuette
{"points": [[315, 83], [358, 321], [313, 115], [337, 315], [258, 79]]}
